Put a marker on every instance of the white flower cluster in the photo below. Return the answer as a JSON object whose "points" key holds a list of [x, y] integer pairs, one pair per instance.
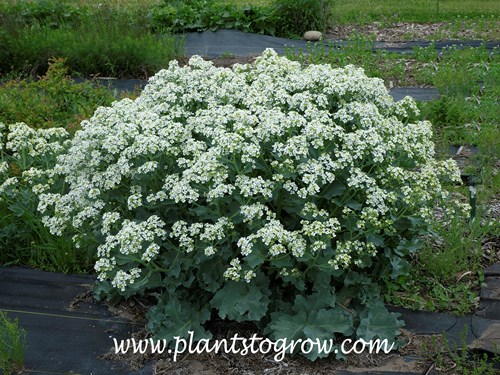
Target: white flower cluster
{"points": [[21, 137], [249, 140], [187, 235], [29, 149], [349, 249]]}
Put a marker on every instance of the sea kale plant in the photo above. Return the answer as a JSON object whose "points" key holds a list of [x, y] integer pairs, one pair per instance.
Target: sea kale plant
{"points": [[272, 193]]}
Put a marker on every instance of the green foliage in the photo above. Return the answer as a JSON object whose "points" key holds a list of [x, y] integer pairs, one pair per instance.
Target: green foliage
{"points": [[104, 40], [457, 253], [468, 111], [53, 14], [198, 15], [12, 345], [283, 17], [422, 290], [458, 359], [299, 16], [53, 100]]}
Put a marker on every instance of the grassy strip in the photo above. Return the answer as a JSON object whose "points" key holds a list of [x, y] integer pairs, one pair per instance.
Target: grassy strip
{"points": [[12, 345], [103, 40], [420, 11], [388, 11]]}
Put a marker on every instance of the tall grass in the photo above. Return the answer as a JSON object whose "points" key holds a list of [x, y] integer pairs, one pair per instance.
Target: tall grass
{"points": [[12, 345]]}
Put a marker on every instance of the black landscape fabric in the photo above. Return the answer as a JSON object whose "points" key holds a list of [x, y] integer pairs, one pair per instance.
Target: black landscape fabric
{"points": [[65, 340], [214, 44], [61, 339]]}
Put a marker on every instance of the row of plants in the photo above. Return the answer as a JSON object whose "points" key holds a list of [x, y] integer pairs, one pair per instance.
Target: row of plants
{"points": [[285, 18]]}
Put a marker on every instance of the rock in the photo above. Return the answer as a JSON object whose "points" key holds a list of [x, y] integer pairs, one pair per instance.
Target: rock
{"points": [[313, 36]]}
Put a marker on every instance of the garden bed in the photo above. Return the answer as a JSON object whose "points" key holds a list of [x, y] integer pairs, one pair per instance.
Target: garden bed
{"points": [[446, 275]]}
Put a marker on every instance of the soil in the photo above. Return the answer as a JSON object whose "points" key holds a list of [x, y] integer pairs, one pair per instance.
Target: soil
{"points": [[417, 347]]}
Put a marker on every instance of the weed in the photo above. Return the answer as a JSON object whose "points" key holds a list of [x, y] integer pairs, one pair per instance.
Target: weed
{"points": [[12, 345], [457, 358]]}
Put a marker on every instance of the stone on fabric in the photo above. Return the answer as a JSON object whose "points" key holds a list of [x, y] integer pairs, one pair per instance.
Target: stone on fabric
{"points": [[312, 36]]}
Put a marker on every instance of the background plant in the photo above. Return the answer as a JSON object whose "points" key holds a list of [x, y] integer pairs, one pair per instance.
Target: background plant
{"points": [[100, 40], [12, 345], [298, 16], [53, 100], [200, 15]]}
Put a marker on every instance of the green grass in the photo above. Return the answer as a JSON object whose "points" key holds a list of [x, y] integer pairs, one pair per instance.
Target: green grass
{"points": [[421, 11], [106, 40], [12, 345]]}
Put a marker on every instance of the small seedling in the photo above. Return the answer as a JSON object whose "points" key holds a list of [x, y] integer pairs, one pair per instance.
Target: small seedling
{"points": [[457, 358]]}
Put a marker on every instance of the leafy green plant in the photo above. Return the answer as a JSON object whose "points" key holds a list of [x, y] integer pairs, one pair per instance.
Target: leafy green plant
{"points": [[53, 14], [12, 345], [281, 198], [200, 15], [298, 16]]}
